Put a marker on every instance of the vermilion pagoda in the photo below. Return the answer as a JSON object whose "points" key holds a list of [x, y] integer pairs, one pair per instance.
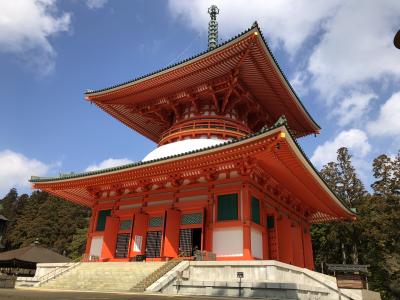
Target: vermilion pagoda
{"points": [[227, 177]]}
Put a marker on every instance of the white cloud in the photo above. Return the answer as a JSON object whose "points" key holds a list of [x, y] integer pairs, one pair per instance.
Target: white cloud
{"points": [[286, 21], [109, 163], [388, 121], [356, 47], [93, 4], [25, 29], [353, 108], [354, 139], [16, 169]]}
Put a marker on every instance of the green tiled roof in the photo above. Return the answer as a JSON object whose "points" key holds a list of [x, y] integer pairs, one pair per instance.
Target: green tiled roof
{"points": [[255, 25]]}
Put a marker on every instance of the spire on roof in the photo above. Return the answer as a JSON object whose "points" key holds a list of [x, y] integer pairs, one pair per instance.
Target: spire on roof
{"points": [[213, 27]]}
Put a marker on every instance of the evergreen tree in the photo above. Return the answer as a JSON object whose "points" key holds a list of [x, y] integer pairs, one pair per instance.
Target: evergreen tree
{"points": [[383, 169], [341, 237], [54, 222], [376, 230]]}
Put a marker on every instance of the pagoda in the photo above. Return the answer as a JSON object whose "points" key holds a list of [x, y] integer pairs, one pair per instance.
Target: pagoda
{"points": [[228, 176]]}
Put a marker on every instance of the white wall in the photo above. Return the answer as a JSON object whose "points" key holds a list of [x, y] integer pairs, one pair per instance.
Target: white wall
{"points": [[96, 245], [256, 243], [228, 241]]}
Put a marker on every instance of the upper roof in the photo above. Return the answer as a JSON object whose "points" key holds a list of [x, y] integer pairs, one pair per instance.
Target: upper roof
{"points": [[259, 72]]}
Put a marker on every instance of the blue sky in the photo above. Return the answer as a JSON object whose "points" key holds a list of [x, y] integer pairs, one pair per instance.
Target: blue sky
{"points": [[338, 55]]}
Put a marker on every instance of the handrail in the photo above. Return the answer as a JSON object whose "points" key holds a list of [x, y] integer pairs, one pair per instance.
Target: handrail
{"points": [[61, 269]]}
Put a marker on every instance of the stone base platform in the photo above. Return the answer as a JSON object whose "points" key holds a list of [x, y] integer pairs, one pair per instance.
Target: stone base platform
{"points": [[267, 279]]}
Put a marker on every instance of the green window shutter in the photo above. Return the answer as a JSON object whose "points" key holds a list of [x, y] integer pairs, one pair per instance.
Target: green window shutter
{"points": [[227, 207], [101, 219], [270, 222], [255, 210]]}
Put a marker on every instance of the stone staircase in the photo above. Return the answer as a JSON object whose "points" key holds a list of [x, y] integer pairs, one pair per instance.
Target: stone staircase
{"points": [[153, 277], [104, 276]]}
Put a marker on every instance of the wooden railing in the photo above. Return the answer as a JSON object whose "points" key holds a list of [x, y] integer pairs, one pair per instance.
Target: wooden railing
{"points": [[212, 126]]}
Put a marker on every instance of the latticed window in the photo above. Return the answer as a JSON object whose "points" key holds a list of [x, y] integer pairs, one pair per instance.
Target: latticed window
{"points": [[156, 222], [189, 219], [101, 219], [255, 210], [125, 225], [227, 207]]}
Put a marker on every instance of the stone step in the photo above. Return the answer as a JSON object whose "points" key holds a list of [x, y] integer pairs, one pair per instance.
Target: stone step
{"points": [[104, 276]]}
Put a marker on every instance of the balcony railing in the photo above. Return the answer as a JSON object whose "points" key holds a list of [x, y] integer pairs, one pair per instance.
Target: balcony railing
{"points": [[204, 127]]}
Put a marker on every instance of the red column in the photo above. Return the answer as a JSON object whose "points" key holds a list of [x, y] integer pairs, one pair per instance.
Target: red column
{"points": [[308, 252], [297, 240], [171, 242], [139, 231], [89, 231], [265, 244], [246, 215], [263, 216], [284, 240], [110, 238], [208, 224]]}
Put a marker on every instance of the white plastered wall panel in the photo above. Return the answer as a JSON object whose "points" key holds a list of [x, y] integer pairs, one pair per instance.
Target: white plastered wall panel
{"points": [[256, 243], [228, 241], [95, 246]]}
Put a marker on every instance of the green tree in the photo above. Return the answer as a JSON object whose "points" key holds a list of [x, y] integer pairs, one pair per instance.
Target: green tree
{"points": [[383, 169], [338, 239], [53, 221]]}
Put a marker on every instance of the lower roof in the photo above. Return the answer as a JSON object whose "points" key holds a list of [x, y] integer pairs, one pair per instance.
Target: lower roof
{"points": [[286, 163]]}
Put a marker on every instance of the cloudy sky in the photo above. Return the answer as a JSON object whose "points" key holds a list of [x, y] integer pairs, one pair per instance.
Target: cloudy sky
{"points": [[338, 55]]}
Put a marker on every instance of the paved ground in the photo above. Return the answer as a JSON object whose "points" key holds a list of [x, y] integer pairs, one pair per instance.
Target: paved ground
{"points": [[30, 294]]}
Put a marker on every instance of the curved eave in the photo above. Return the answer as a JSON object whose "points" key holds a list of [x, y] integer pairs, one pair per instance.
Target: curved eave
{"points": [[300, 161], [104, 97]]}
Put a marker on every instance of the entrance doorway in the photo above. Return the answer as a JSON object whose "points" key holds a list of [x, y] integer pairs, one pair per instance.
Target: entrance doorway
{"points": [[121, 250], [153, 244], [189, 241]]}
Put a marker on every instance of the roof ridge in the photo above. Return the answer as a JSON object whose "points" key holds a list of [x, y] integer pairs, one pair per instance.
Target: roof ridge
{"points": [[255, 25]]}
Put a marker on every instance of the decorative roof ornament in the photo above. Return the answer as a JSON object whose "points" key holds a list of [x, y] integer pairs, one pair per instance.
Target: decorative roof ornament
{"points": [[281, 121], [213, 27]]}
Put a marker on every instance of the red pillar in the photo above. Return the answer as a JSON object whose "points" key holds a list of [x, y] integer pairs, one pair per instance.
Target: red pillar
{"points": [[89, 232], [171, 242], [110, 238], [297, 240], [246, 215], [284, 240], [308, 252], [208, 225], [139, 231]]}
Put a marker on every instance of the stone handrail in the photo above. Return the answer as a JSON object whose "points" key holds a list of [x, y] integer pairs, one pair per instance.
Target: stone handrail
{"points": [[60, 270]]}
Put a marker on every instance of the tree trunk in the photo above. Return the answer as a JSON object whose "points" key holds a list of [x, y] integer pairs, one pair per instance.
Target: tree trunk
{"points": [[355, 254], [343, 254]]}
